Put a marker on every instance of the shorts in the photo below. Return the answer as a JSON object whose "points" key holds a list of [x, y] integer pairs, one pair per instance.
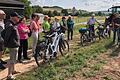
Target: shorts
{"points": [[13, 53]]}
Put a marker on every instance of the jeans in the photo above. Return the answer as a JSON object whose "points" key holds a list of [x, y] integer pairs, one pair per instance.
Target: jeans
{"points": [[116, 31], [70, 31], [91, 31]]}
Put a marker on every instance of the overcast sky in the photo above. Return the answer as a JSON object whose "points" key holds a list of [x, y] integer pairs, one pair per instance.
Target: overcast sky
{"points": [[89, 5]]}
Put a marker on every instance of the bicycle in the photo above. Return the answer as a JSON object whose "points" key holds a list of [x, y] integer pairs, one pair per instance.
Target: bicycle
{"points": [[84, 37], [48, 49], [101, 31]]}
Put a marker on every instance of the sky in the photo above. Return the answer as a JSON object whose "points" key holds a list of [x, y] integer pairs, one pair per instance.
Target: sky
{"points": [[89, 5]]}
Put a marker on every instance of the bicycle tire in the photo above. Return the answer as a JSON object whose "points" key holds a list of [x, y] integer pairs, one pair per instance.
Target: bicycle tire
{"points": [[64, 47], [39, 53], [82, 39]]}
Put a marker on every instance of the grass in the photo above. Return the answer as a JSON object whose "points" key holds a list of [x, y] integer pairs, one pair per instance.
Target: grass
{"points": [[66, 66]]}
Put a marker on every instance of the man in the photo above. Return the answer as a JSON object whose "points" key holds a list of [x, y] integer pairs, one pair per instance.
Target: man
{"points": [[2, 17], [70, 25], [91, 23], [116, 28], [12, 42], [63, 25]]}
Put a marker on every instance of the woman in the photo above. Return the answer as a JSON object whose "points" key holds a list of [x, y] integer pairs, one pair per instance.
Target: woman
{"points": [[2, 17], [23, 32], [35, 28]]}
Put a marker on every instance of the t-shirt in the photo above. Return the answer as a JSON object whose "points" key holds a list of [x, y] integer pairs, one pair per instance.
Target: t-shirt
{"points": [[46, 26], [2, 24], [55, 25], [1, 28], [91, 21], [34, 26]]}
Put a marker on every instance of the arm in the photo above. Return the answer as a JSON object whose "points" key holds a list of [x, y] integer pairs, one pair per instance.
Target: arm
{"points": [[97, 21]]}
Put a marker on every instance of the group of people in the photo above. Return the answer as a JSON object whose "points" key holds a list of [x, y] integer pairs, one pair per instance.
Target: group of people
{"points": [[112, 23], [14, 35], [65, 25]]}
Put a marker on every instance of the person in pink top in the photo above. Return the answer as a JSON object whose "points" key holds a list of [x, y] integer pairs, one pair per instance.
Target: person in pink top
{"points": [[23, 32], [35, 27]]}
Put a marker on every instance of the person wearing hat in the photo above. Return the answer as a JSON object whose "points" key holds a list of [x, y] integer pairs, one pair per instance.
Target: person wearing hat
{"points": [[46, 25], [91, 23], [12, 42], [2, 17], [56, 24], [63, 24]]}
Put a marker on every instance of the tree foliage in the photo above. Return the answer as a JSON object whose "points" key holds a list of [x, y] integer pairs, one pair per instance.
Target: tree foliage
{"points": [[28, 8], [37, 9], [64, 12]]}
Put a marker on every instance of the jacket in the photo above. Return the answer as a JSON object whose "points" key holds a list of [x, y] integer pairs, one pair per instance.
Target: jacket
{"points": [[70, 24], [11, 38]]}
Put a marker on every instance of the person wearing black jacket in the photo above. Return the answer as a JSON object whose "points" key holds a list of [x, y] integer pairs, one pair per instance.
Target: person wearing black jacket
{"points": [[12, 42]]}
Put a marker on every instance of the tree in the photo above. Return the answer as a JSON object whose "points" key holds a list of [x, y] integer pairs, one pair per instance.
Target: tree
{"points": [[64, 12], [50, 14], [28, 8], [37, 9], [99, 13], [55, 13]]}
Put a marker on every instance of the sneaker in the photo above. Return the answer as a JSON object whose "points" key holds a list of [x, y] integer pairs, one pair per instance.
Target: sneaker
{"points": [[10, 78], [3, 62], [1, 66]]}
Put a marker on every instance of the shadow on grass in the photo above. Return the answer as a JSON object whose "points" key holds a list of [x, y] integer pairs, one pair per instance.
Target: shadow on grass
{"points": [[115, 50]]}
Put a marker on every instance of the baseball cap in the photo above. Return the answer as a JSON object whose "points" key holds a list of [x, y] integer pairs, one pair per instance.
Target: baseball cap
{"points": [[15, 14], [93, 14], [2, 12]]}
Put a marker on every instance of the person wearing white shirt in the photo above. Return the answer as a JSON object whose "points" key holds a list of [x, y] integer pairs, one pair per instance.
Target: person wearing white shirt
{"points": [[2, 17]]}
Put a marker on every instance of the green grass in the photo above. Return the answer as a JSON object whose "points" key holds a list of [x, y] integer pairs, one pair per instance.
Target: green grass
{"points": [[66, 66]]}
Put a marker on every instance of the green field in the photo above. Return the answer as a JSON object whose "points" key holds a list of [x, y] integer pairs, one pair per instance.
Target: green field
{"points": [[76, 60]]}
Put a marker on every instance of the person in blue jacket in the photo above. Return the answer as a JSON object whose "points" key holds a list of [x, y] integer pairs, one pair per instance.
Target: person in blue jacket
{"points": [[70, 25]]}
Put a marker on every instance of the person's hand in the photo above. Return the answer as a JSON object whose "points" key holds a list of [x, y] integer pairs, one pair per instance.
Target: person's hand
{"points": [[28, 31]]}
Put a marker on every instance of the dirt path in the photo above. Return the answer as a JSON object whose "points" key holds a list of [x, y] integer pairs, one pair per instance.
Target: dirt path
{"points": [[22, 67]]}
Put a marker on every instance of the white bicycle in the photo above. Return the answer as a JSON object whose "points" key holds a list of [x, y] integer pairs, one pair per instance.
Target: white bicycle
{"points": [[49, 48]]}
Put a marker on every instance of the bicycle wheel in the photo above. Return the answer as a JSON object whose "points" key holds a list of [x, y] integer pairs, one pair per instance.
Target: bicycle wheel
{"points": [[39, 53], [82, 40], [63, 47]]}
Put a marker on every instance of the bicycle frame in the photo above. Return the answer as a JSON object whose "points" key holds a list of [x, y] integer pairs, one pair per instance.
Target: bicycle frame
{"points": [[54, 45]]}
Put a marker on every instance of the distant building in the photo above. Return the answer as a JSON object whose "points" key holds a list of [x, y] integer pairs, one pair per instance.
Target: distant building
{"points": [[11, 5]]}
